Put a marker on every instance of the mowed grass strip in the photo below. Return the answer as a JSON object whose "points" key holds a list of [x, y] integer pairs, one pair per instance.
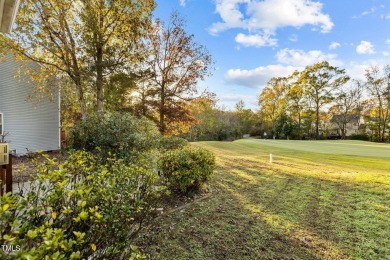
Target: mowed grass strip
{"points": [[315, 201]]}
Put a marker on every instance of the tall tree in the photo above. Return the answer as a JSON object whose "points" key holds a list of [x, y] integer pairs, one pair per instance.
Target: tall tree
{"points": [[203, 109], [320, 82], [120, 91], [177, 63], [296, 100], [246, 118], [272, 99], [84, 40], [378, 86]]}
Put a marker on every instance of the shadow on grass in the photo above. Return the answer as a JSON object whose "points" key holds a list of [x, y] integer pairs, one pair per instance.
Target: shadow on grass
{"points": [[331, 217], [220, 227], [259, 211]]}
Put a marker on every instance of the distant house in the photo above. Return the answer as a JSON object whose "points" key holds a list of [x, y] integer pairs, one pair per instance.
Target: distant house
{"points": [[30, 124], [352, 127]]}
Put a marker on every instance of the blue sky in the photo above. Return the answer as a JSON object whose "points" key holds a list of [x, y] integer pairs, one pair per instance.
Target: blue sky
{"points": [[254, 40]]}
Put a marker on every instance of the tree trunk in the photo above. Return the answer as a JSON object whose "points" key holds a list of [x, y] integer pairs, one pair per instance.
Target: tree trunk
{"points": [[343, 132], [99, 68], [162, 110], [317, 122], [299, 126], [384, 131], [80, 96], [99, 85]]}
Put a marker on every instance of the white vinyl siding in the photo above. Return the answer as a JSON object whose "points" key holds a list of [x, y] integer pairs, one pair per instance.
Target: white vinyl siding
{"points": [[31, 125]]}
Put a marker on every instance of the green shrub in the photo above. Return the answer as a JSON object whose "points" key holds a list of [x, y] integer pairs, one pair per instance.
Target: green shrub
{"points": [[116, 133], [187, 169], [79, 208], [363, 137], [171, 143]]}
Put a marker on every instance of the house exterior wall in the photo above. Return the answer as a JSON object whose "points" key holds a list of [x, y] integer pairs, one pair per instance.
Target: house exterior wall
{"points": [[32, 125]]}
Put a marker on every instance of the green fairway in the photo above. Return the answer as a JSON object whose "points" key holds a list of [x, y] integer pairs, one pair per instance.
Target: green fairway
{"points": [[358, 148], [317, 200]]}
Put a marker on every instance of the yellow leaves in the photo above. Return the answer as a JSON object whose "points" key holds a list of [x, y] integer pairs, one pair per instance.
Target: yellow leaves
{"points": [[32, 234], [81, 203], [98, 215], [54, 215], [83, 215], [5, 207], [93, 247], [67, 210], [9, 238], [79, 234]]}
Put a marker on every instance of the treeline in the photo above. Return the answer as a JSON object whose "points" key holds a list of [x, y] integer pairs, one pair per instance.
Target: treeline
{"points": [[319, 102], [215, 123], [323, 102]]}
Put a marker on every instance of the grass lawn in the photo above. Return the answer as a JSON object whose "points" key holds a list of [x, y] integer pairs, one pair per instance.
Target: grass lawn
{"points": [[317, 200]]}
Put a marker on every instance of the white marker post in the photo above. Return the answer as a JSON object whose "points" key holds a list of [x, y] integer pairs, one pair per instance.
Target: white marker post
{"points": [[270, 157]]}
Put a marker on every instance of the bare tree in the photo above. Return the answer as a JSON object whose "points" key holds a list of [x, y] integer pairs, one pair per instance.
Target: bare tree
{"points": [[348, 106]]}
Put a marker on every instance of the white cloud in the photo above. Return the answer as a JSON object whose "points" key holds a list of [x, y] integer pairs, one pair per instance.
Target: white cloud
{"points": [[388, 41], [258, 77], [236, 97], [293, 38], [302, 58], [182, 2], [231, 99], [357, 70], [256, 40], [372, 10], [272, 14], [369, 11], [385, 53], [365, 47], [334, 45], [230, 14], [269, 15], [289, 59]]}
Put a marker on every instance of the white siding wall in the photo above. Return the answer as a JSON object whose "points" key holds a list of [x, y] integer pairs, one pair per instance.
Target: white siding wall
{"points": [[30, 125]]}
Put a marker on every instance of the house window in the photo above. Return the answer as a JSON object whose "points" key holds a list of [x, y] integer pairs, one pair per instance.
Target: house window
{"points": [[1, 123]]}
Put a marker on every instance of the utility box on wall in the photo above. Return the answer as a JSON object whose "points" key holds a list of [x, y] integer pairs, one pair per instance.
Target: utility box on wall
{"points": [[4, 154]]}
